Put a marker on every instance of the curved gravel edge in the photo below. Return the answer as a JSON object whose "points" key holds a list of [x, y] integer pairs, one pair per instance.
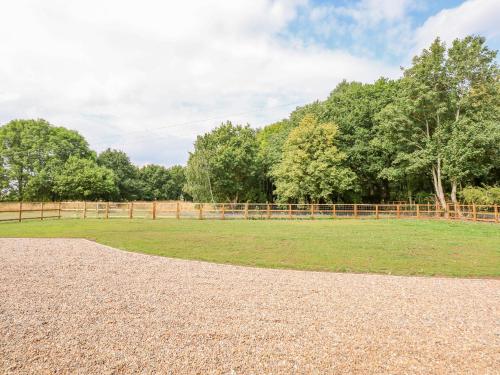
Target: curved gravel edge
{"points": [[72, 305]]}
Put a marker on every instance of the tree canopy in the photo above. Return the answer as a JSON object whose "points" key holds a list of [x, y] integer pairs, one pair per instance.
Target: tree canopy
{"points": [[30, 152], [224, 165], [444, 121], [311, 169], [41, 162], [431, 135]]}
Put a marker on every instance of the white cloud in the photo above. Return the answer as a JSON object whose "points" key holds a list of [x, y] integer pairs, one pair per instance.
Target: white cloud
{"points": [[144, 76], [471, 17], [372, 12], [367, 24]]}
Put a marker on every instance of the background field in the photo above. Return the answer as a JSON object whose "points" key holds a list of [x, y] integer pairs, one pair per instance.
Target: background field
{"points": [[382, 246]]}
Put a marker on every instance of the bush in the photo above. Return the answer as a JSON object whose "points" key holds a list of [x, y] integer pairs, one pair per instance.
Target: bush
{"points": [[481, 195]]}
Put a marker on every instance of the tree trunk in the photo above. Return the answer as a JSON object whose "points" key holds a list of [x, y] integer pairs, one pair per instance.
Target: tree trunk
{"points": [[454, 191], [385, 191], [409, 190], [20, 188], [454, 197], [438, 185]]}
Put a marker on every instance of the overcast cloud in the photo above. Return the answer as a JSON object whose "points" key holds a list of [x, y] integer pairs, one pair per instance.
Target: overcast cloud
{"points": [[148, 76]]}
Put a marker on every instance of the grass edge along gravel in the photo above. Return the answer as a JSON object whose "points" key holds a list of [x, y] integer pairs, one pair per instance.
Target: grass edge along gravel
{"points": [[397, 247]]}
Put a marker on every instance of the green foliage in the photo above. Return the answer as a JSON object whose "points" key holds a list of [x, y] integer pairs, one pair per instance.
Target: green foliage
{"points": [[474, 99], [353, 107], [224, 165], [160, 183], [271, 140], [30, 151], [176, 183], [444, 122], [311, 169], [487, 195], [129, 187], [83, 179], [43, 162]]}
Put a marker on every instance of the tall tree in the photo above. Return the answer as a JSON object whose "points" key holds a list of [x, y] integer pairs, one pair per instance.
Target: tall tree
{"points": [[474, 112], [224, 166], [312, 169], [435, 123], [30, 150], [353, 107]]}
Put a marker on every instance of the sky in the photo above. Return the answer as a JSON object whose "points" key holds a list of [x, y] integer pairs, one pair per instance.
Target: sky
{"points": [[147, 77]]}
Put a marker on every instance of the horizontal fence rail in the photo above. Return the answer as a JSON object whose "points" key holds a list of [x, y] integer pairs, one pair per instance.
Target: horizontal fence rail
{"points": [[18, 211]]}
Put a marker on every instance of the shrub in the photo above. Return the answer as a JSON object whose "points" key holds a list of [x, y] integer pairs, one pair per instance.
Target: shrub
{"points": [[481, 195]]}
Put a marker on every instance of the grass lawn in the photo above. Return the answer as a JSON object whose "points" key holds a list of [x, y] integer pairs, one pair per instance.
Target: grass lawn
{"points": [[399, 247]]}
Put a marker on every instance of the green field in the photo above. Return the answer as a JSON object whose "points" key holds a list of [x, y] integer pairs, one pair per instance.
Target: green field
{"points": [[399, 247]]}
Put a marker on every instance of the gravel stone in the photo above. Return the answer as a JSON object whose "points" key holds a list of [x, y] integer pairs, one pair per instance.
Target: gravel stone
{"points": [[74, 306]]}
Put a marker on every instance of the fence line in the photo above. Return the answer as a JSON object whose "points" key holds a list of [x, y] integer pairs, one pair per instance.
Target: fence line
{"points": [[18, 211]]}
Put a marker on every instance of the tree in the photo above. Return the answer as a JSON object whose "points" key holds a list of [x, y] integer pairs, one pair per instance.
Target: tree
{"points": [[126, 173], [223, 166], [353, 106], [271, 140], [446, 97], [474, 98], [176, 183], [311, 169], [29, 152], [160, 183], [84, 179]]}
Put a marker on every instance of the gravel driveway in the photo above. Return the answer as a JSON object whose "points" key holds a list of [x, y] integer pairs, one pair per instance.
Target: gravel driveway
{"points": [[73, 306]]}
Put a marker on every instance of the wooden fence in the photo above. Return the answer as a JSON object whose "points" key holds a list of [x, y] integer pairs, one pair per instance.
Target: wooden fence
{"points": [[18, 211]]}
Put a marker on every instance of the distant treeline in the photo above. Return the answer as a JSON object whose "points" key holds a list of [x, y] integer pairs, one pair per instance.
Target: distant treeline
{"points": [[425, 136], [41, 162], [433, 134]]}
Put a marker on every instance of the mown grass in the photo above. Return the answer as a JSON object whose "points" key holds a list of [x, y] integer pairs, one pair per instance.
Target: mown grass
{"points": [[400, 247]]}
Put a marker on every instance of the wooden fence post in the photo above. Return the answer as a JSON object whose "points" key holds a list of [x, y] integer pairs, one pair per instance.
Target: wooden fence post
{"points": [[268, 211], [178, 211], [131, 210], [41, 212], [289, 211], [246, 211], [398, 210], [334, 211], [20, 218], [154, 210], [474, 212], [59, 211], [107, 210], [418, 211], [200, 212], [84, 209], [222, 211], [312, 210], [376, 212], [496, 213], [355, 210], [437, 213]]}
